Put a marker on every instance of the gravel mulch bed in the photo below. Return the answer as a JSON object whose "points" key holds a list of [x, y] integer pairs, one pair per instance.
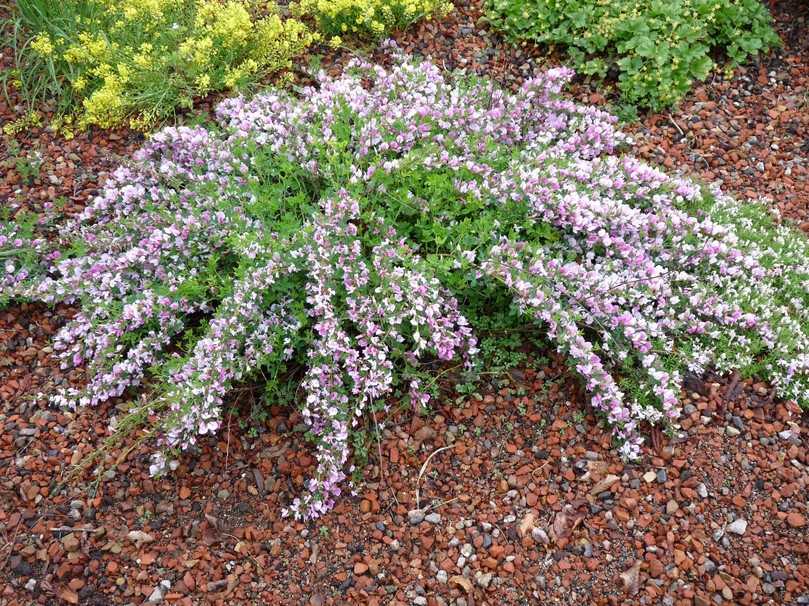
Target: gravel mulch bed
{"points": [[520, 498], [526, 503]]}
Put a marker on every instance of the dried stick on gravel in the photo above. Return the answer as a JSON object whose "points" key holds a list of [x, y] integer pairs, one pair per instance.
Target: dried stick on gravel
{"points": [[382, 474], [421, 472], [677, 126]]}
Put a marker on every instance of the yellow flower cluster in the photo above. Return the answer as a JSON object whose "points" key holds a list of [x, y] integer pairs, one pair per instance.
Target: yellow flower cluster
{"points": [[139, 60], [147, 11], [30, 119], [228, 23], [42, 45], [367, 18]]}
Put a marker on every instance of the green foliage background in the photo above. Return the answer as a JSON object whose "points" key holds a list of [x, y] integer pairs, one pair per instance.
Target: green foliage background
{"points": [[655, 49]]}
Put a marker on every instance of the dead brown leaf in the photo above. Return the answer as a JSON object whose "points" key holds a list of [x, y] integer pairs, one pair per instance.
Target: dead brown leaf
{"points": [[631, 579], [560, 527], [463, 582], [527, 523], [604, 484]]}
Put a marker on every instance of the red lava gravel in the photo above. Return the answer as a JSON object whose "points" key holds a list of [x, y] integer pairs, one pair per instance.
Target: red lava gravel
{"points": [[509, 496]]}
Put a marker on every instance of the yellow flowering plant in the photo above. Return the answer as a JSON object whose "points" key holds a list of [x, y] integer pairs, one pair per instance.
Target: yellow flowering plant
{"points": [[115, 62], [366, 18]]}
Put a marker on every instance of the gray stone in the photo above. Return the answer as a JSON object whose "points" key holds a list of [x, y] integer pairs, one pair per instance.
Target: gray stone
{"points": [[738, 526], [540, 536], [159, 592], [483, 579], [415, 516], [541, 581], [662, 476], [732, 431], [442, 577], [702, 491], [433, 518]]}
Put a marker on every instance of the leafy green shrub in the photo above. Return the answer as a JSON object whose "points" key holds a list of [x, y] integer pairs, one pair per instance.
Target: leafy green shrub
{"points": [[657, 48], [113, 61], [367, 18], [357, 237]]}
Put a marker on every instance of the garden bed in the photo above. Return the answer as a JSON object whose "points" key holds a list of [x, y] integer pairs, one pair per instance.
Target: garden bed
{"points": [[527, 444]]}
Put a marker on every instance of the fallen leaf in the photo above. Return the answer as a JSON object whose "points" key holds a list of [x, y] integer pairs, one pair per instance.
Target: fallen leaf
{"points": [[185, 492], [631, 579], [213, 521], [597, 467], [526, 524], [559, 528], [463, 582], [604, 484], [69, 596], [259, 478]]}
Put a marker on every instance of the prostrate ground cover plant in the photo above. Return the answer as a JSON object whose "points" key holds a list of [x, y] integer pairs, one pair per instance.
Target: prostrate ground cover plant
{"points": [[353, 239], [655, 48], [367, 18], [109, 62]]}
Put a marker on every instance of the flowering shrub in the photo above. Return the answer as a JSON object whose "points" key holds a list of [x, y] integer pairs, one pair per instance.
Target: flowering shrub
{"points": [[656, 48], [367, 18], [109, 61], [366, 230]]}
